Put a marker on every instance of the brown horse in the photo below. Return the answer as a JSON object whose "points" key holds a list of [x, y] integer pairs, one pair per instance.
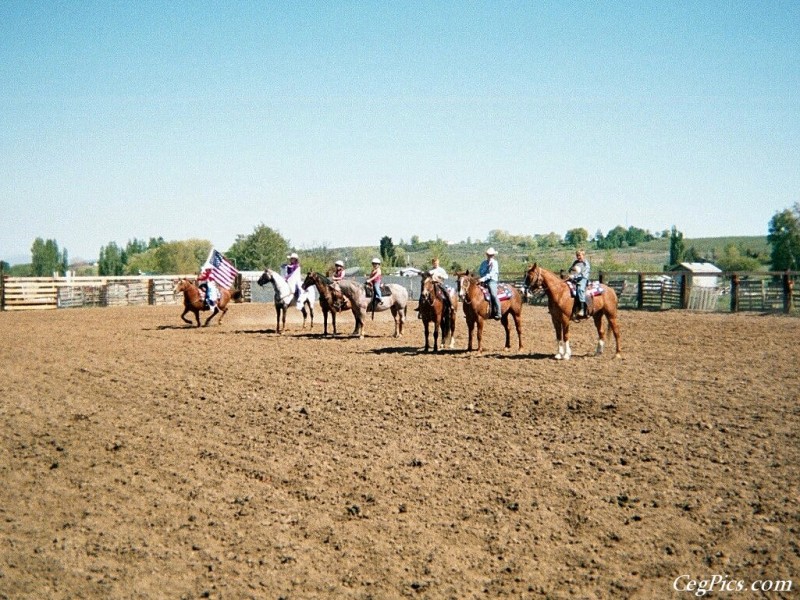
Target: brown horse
{"points": [[331, 300], [477, 308], [560, 303], [194, 301], [432, 310]]}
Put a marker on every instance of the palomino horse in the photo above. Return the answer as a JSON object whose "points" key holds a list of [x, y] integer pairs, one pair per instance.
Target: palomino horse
{"points": [[284, 298], [331, 300], [477, 308], [432, 310], [395, 300], [194, 301], [560, 303]]}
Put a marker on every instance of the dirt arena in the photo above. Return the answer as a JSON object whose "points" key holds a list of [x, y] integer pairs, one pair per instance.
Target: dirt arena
{"points": [[141, 458]]}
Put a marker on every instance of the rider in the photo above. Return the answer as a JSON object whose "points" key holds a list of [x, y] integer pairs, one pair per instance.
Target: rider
{"points": [[338, 271], [579, 273], [211, 293], [375, 281], [489, 273], [439, 276], [293, 275], [336, 277]]}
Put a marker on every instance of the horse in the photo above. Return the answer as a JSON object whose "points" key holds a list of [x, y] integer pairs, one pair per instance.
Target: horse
{"points": [[284, 298], [330, 300], [560, 304], [432, 310], [478, 308], [194, 301], [395, 299]]}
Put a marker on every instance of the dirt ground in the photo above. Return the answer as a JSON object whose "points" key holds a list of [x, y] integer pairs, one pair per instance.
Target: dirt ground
{"points": [[141, 458]]}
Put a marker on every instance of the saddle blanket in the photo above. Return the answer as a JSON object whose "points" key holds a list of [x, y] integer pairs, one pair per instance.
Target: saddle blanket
{"points": [[594, 288], [503, 292]]}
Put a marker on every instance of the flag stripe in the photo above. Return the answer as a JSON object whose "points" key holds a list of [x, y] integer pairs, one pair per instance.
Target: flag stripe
{"points": [[219, 270]]}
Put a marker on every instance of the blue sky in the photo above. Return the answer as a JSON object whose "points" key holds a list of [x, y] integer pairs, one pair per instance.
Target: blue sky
{"points": [[337, 123]]}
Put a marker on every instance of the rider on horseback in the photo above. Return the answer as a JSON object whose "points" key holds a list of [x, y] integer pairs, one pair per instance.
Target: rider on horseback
{"points": [[489, 273], [339, 301], [439, 276], [374, 280], [211, 292], [293, 276], [579, 274]]}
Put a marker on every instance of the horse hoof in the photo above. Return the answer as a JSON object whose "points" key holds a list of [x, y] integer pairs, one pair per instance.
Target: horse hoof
{"points": [[558, 357]]}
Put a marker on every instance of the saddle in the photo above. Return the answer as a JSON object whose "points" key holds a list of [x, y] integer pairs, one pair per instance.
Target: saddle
{"points": [[503, 292], [385, 290], [594, 288]]}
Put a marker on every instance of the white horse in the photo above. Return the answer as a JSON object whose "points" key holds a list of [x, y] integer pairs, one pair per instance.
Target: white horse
{"points": [[396, 301], [285, 296]]}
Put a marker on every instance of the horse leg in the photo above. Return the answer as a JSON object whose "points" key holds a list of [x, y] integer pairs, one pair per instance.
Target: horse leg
{"points": [[612, 321], [557, 326], [601, 342], [452, 328], [518, 326], [223, 312], [480, 334], [504, 321], [426, 326], [211, 316], [567, 349], [311, 312], [183, 317], [470, 327], [436, 336]]}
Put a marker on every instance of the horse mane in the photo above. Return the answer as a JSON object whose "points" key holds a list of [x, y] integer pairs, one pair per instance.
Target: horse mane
{"points": [[326, 280]]}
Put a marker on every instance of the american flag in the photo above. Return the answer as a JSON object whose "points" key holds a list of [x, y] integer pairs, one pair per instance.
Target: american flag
{"points": [[219, 270]]}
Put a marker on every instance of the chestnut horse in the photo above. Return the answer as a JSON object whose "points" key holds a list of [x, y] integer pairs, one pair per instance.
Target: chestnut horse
{"points": [[284, 298], [560, 303], [477, 309], [330, 299], [194, 301], [432, 310]]}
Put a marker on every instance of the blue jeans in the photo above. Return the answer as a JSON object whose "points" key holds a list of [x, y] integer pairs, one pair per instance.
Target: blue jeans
{"points": [[581, 289], [492, 285]]}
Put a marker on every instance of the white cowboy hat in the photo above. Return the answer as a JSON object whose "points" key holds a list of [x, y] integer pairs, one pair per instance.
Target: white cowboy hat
{"points": [[339, 263], [491, 252], [293, 255], [376, 261]]}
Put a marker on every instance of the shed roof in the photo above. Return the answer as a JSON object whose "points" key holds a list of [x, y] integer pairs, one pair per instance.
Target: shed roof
{"points": [[698, 267]]}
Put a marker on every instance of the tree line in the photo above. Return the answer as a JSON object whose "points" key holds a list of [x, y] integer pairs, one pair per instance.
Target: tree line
{"points": [[266, 247]]}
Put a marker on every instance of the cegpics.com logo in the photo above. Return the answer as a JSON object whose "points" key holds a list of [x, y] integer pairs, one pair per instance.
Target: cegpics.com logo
{"points": [[723, 583]]}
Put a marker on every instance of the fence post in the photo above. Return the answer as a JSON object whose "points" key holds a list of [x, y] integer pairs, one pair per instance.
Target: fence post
{"points": [[640, 293], [602, 277], [735, 293], [684, 291], [788, 285], [2, 287]]}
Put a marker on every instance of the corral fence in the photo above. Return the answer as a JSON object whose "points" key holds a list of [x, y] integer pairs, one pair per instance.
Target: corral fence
{"points": [[718, 292], [763, 292]]}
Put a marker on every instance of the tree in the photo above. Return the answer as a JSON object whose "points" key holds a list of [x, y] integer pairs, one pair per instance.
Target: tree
{"points": [[181, 257], [111, 261], [576, 237], [635, 236], [387, 251], [263, 248], [677, 247], [784, 237], [46, 258], [732, 259]]}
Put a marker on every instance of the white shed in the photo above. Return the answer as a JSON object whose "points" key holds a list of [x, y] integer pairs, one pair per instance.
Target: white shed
{"points": [[700, 274]]}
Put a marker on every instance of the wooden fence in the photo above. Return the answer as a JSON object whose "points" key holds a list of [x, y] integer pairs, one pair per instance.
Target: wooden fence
{"points": [[733, 292]]}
